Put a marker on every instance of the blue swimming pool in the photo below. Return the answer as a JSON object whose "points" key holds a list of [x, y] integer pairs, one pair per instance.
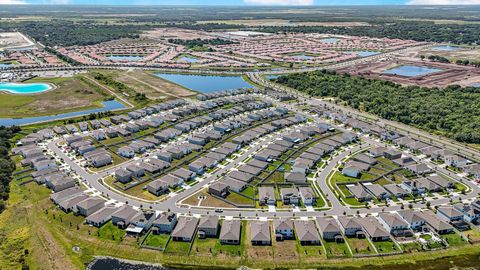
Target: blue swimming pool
{"points": [[25, 88], [206, 83], [411, 71], [110, 105], [125, 58]]}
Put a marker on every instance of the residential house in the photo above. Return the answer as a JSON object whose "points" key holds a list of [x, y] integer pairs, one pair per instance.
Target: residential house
{"points": [[208, 226], [283, 229], [260, 233], [185, 229], [307, 232], [230, 233]]}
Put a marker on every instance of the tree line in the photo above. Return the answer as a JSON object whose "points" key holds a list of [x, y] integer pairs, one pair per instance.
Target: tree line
{"points": [[452, 111], [7, 165]]}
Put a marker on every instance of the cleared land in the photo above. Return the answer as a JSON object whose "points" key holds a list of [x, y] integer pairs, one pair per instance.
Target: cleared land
{"points": [[71, 94]]}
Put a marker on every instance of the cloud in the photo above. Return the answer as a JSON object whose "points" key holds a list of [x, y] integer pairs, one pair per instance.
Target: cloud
{"points": [[443, 2], [279, 2], [12, 2]]}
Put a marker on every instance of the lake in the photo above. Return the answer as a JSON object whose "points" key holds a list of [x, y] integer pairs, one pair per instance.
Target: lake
{"points": [[329, 40], [206, 83], [5, 65], [445, 48], [107, 106], [188, 59], [303, 57], [364, 53], [270, 77], [125, 58], [25, 88], [411, 71], [476, 84]]}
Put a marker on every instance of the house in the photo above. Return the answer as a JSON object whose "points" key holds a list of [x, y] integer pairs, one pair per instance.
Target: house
{"points": [[436, 224], [283, 229], [375, 231], [351, 227], [354, 168], [101, 160], [307, 232], [132, 128], [307, 195], [329, 229], [184, 174], [266, 196], [123, 216], [365, 159], [185, 229], [377, 151], [419, 168], [359, 192], [208, 226], [111, 133], [44, 164], [392, 154], [449, 213], [241, 176], [456, 161], [395, 224], [377, 191], [230, 233], [157, 187], [414, 218], [126, 151], [136, 170], [70, 203], [140, 223], [99, 135], [396, 190], [90, 206], [61, 183], [123, 175], [290, 196], [65, 194], [219, 189], [101, 217], [471, 213], [296, 177], [234, 185], [260, 233], [165, 222]]}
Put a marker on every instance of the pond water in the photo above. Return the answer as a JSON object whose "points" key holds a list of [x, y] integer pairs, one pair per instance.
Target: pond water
{"points": [[330, 40], [411, 71], [445, 48], [206, 83], [107, 106], [114, 264], [270, 77], [125, 58], [303, 57], [5, 65], [188, 59], [476, 84], [25, 88], [364, 53]]}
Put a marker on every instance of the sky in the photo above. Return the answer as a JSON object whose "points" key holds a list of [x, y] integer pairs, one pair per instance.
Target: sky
{"points": [[248, 2]]}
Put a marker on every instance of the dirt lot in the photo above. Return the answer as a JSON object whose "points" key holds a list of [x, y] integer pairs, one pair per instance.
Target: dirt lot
{"points": [[153, 87]]}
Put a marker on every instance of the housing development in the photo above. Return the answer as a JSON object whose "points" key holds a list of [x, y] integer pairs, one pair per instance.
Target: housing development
{"points": [[204, 146]]}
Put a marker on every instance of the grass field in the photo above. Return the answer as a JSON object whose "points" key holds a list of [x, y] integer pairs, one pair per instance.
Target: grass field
{"points": [[334, 249], [156, 240], [71, 94], [360, 246], [150, 85]]}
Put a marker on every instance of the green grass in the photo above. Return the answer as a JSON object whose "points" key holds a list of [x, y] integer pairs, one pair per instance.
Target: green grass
{"points": [[334, 249], [239, 199], [71, 94], [249, 191], [177, 247], [412, 247], [386, 246], [454, 239], [156, 240], [110, 232], [360, 246]]}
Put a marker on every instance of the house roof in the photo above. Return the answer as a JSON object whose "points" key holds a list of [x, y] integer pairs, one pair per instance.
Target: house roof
{"points": [[328, 225], [208, 222], [349, 222], [260, 231], [230, 230], [283, 224], [393, 220], [373, 228], [185, 227], [449, 211], [306, 230]]}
